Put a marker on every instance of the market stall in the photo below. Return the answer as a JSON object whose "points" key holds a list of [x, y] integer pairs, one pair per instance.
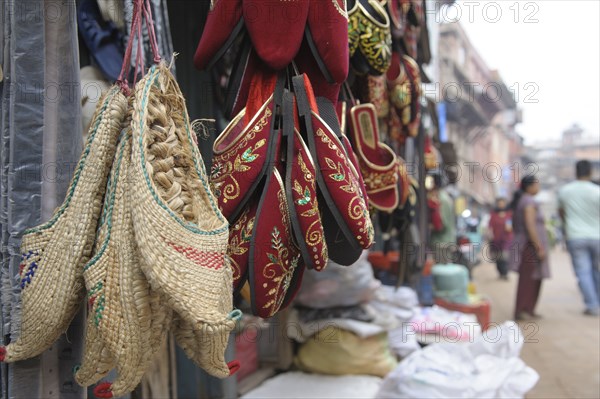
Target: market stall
{"points": [[252, 209]]}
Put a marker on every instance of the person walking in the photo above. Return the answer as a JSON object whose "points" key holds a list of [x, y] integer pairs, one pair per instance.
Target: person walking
{"points": [[442, 222], [529, 255], [500, 230], [579, 209]]}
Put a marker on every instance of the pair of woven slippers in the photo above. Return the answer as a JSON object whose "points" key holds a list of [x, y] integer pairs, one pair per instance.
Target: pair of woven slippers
{"points": [[128, 320], [159, 218]]}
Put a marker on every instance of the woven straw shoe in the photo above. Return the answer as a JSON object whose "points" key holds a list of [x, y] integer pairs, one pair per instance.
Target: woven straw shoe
{"points": [[97, 359], [180, 232], [118, 292], [54, 253], [203, 348]]}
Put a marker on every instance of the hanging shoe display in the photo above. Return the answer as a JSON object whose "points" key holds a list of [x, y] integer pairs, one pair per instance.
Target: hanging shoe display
{"points": [[159, 253]]}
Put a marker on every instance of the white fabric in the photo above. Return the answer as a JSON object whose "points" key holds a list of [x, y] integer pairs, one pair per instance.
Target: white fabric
{"points": [[303, 385], [489, 367]]}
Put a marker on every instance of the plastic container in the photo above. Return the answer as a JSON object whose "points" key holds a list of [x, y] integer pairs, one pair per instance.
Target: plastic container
{"points": [[481, 310], [450, 282]]}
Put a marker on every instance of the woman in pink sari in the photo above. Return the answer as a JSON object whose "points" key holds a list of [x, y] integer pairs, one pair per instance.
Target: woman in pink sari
{"points": [[529, 251]]}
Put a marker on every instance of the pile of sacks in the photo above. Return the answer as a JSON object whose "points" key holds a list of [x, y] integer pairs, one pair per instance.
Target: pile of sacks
{"points": [[344, 318]]}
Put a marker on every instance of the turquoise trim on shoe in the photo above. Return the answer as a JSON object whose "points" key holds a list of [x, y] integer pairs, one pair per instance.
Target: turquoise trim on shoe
{"points": [[235, 314], [84, 155], [153, 75]]}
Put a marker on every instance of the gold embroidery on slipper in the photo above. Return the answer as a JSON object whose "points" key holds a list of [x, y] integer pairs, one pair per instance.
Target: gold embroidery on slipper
{"points": [[239, 242], [282, 264], [225, 172], [340, 6]]}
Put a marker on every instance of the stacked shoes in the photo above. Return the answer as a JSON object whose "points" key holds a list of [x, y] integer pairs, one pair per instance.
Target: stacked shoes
{"points": [[141, 231]]}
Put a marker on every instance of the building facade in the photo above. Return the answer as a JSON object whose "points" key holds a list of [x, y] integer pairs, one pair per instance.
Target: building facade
{"points": [[481, 116]]}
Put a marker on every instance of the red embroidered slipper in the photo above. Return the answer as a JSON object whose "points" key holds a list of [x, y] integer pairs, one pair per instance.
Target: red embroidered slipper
{"points": [[345, 217], [377, 94], [276, 28], [342, 114], [414, 75], [300, 187], [378, 162], [399, 88], [404, 182], [327, 37], [240, 234], [404, 84], [223, 25], [273, 256], [241, 152]]}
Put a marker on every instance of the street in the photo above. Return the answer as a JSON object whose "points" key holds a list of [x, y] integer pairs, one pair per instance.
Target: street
{"points": [[563, 346]]}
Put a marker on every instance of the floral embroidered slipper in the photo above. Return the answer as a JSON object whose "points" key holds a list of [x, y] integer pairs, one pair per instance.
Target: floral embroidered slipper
{"points": [[180, 232], [414, 74], [369, 36], [346, 221], [300, 187], [240, 234], [378, 162], [274, 257], [404, 82], [240, 155], [54, 253]]}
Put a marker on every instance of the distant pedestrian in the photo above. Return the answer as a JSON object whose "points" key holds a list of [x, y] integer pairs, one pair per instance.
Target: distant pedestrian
{"points": [[579, 209], [501, 235], [442, 222], [529, 256]]}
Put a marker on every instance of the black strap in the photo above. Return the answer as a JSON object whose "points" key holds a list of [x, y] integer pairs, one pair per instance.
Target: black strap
{"points": [[237, 75], [317, 56], [237, 31]]}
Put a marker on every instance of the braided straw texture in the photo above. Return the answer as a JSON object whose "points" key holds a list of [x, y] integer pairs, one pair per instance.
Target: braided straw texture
{"points": [[181, 234], [54, 253]]}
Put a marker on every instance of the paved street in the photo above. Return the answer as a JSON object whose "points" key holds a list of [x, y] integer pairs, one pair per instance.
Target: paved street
{"points": [[567, 351]]}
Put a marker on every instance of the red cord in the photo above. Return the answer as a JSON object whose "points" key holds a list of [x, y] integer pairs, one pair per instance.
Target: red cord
{"points": [[135, 21], [2, 353], [103, 390], [151, 31]]}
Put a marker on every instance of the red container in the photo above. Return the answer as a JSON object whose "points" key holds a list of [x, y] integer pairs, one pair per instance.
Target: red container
{"points": [[379, 260], [481, 310], [246, 351]]}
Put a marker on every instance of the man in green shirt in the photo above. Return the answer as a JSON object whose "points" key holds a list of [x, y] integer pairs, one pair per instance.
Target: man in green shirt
{"points": [[579, 209]]}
